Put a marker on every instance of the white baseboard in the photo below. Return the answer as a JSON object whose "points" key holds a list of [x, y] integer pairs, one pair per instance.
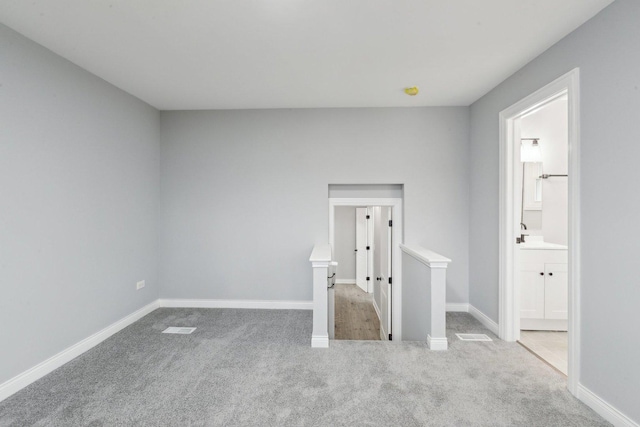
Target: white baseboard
{"points": [[320, 341], [376, 308], [544, 324], [222, 303], [604, 409], [457, 307], [484, 319], [437, 343], [29, 376], [345, 281]]}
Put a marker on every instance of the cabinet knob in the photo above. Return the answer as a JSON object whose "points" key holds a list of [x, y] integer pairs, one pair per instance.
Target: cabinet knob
{"points": [[541, 273], [550, 274]]}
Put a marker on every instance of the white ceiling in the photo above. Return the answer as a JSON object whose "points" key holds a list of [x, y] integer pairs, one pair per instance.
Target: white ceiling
{"points": [[227, 54]]}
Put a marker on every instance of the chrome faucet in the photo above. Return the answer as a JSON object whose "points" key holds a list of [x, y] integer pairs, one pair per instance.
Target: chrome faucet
{"points": [[521, 238]]}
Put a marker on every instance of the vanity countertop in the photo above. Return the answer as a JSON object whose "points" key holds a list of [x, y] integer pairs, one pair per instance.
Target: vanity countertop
{"points": [[542, 245]]}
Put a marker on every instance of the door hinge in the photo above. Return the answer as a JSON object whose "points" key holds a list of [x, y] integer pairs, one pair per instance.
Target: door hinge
{"points": [[390, 280], [368, 278], [368, 216], [390, 223], [368, 247], [390, 337]]}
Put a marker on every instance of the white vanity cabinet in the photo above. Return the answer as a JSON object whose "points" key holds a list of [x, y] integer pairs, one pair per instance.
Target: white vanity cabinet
{"points": [[543, 287]]}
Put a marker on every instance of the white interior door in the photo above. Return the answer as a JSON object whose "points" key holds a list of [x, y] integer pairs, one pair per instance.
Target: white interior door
{"points": [[375, 259], [361, 248], [371, 224], [384, 252]]}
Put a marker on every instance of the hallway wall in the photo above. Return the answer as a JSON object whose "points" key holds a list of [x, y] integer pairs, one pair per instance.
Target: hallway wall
{"points": [[605, 49]]}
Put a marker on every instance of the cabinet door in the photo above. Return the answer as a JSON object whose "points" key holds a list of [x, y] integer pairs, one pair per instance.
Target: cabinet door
{"points": [[532, 277], [556, 291]]}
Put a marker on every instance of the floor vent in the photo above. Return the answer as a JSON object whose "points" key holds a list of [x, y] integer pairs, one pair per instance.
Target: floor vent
{"points": [[178, 330], [473, 337]]}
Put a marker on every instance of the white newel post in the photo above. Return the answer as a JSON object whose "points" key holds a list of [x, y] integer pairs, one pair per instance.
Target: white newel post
{"points": [[320, 259]]}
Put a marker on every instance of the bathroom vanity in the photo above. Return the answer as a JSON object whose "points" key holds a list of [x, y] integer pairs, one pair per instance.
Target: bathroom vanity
{"points": [[543, 286]]}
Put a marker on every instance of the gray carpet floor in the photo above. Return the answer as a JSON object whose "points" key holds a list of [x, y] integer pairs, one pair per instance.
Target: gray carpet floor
{"points": [[256, 367]]}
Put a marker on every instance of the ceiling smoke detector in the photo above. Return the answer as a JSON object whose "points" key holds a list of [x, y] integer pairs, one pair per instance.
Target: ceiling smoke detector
{"points": [[411, 91]]}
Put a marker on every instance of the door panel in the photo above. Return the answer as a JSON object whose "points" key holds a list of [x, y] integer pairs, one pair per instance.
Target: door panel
{"points": [[361, 248], [370, 253], [375, 255]]}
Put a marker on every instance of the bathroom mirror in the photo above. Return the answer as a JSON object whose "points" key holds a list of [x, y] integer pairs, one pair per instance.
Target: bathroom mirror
{"points": [[532, 190]]}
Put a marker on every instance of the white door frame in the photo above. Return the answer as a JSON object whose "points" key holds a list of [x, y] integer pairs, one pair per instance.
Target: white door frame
{"points": [[396, 288], [509, 319]]}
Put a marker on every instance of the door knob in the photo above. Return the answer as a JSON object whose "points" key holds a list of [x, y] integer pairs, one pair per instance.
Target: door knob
{"points": [[541, 273], [550, 274]]}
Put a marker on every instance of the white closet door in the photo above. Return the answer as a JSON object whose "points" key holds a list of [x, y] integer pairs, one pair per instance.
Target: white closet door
{"points": [[361, 248]]}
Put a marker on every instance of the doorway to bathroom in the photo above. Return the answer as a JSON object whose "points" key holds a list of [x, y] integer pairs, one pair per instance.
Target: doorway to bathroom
{"points": [[365, 234], [539, 225], [543, 248]]}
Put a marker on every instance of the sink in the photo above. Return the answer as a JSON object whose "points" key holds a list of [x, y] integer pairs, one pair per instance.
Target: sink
{"points": [[537, 242]]}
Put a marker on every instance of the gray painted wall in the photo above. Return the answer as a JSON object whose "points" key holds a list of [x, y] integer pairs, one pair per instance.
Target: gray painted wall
{"points": [[245, 193], [79, 179], [416, 297], [345, 242], [606, 50]]}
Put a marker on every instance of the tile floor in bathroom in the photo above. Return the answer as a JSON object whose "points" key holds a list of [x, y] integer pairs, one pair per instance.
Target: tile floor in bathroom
{"points": [[551, 346]]}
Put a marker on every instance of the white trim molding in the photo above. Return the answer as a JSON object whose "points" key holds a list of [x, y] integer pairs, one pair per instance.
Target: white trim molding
{"points": [[477, 314], [320, 341], [377, 309], [345, 281], [604, 409], [509, 198], [453, 307], [427, 257], [29, 376], [243, 304], [484, 319], [437, 344]]}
